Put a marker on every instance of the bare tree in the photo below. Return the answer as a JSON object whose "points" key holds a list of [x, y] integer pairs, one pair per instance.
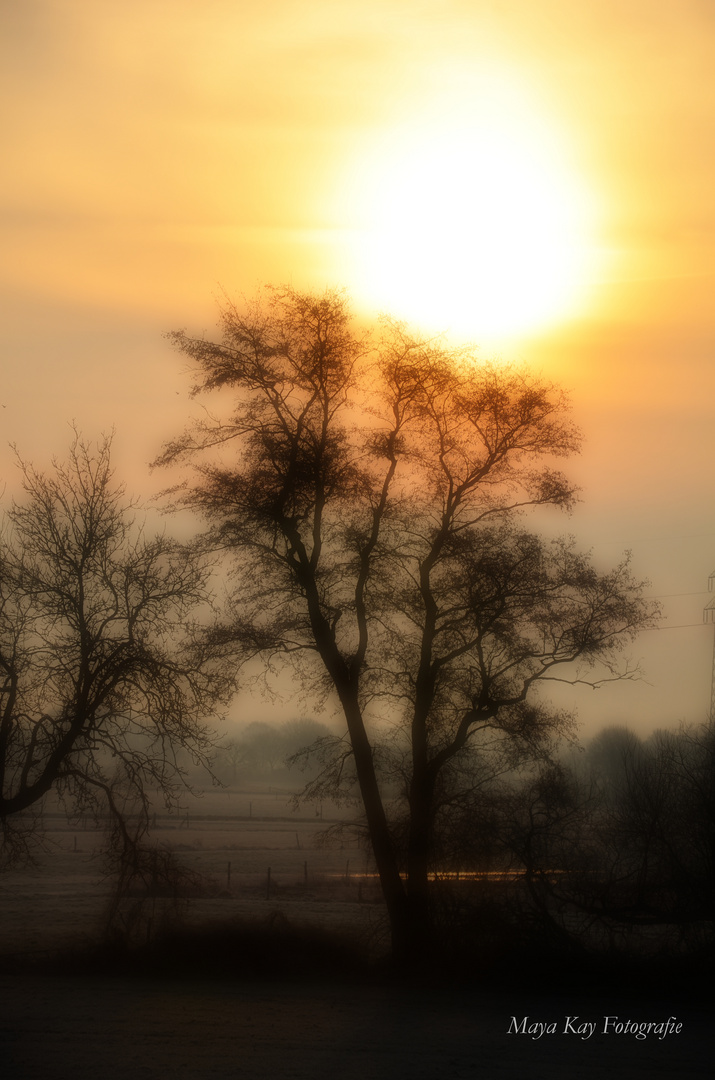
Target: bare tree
{"points": [[105, 680], [657, 822], [370, 496]]}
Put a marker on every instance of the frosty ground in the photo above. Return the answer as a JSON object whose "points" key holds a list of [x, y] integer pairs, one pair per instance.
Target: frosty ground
{"points": [[73, 1019], [119, 1029]]}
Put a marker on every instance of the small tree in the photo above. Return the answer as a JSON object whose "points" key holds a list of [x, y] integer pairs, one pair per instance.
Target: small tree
{"points": [[370, 495], [105, 681]]}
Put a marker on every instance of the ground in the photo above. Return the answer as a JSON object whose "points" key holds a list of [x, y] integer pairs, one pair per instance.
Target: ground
{"points": [[273, 1016], [119, 1029]]}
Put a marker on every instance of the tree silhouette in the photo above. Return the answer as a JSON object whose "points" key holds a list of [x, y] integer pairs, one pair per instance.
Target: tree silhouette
{"points": [[104, 680], [369, 494], [656, 822]]}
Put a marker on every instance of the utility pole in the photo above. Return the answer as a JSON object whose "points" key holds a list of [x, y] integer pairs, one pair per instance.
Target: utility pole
{"points": [[709, 616]]}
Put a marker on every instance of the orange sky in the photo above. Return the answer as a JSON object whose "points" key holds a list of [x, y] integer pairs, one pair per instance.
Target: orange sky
{"points": [[156, 152]]}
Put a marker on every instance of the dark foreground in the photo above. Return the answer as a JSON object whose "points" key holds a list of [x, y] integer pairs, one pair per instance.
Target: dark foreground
{"points": [[89, 1026]]}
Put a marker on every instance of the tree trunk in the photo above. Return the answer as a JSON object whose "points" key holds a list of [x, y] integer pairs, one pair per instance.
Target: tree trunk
{"points": [[418, 856], [406, 925], [408, 904]]}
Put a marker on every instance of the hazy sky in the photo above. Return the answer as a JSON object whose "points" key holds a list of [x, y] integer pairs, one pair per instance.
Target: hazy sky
{"points": [[537, 177]]}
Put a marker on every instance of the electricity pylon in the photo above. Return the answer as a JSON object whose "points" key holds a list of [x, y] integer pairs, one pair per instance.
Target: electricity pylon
{"points": [[709, 616]]}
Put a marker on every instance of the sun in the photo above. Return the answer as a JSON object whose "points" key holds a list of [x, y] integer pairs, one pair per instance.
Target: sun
{"points": [[472, 221]]}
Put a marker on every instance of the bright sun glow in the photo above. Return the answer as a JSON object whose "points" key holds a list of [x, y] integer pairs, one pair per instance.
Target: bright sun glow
{"points": [[471, 221]]}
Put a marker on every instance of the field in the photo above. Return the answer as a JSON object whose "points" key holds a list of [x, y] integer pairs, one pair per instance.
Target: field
{"points": [[279, 1016], [249, 855]]}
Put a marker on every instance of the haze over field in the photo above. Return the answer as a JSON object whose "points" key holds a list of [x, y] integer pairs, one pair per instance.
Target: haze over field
{"points": [[536, 178]]}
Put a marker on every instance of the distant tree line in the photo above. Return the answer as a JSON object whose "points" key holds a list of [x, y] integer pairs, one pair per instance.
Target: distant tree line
{"points": [[261, 749], [613, 846]]}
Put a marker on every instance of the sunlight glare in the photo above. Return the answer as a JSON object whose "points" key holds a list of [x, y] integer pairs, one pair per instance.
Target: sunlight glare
{"points": [[471, 222]]}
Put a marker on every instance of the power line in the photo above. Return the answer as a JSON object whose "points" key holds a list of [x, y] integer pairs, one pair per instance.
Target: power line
{"points": [[666, 595], [628, 544]]}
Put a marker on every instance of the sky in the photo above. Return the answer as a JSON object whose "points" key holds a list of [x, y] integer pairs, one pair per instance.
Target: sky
{"points": [[534, 178]]}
